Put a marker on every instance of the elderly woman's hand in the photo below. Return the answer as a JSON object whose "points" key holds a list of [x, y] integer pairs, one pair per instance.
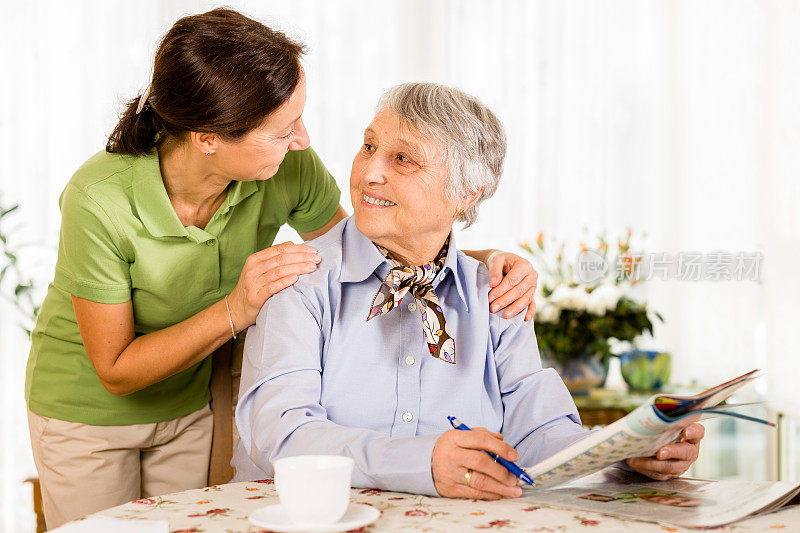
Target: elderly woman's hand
{"points": [[457, 453], [514, 281], [673, 459]]}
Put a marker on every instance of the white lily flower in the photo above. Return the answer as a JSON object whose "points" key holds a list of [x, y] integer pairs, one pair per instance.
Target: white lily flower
{"points": [[603, 298], [573, 298], [547, 313]]}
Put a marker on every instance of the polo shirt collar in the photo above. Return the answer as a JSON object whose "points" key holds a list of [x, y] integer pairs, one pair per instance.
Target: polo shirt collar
{"points": [[153, 205], [361, 258], [238, 191]]}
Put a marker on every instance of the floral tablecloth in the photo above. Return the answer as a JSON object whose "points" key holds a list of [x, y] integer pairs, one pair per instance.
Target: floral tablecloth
{"points": [[225, 508]]}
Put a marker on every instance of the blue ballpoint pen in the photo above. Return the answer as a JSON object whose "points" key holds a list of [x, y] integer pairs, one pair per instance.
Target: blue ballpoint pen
{"points": [[511, 467]]}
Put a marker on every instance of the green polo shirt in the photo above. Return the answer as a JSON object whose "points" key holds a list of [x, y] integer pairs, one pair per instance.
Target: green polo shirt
{"points": [[122, 240]]}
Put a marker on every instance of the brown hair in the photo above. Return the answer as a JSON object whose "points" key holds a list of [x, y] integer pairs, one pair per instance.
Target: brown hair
{"points": [[217, 72]]}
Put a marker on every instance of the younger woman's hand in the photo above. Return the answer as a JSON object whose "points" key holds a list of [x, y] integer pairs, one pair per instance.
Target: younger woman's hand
{"points": [[265, 273], [514, 282]]}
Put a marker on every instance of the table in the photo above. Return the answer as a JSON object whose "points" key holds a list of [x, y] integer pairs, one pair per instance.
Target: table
{"points": [[226, 507]]}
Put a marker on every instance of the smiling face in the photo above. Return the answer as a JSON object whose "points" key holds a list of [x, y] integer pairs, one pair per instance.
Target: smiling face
{"points": [[258, 154], [397, 186]]}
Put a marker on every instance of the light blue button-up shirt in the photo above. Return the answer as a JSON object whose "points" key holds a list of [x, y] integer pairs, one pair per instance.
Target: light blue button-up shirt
{"points": [[317, 378]]}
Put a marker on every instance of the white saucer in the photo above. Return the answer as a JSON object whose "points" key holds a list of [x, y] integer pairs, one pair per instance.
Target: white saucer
{"points": [[274, 518]]}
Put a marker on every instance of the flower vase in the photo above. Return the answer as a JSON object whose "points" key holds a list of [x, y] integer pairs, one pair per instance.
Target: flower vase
{"points": [[645, 370], [580, 374]]}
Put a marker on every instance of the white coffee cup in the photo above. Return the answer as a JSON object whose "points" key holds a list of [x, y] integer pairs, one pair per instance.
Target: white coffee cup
{"points": [[314, 489]]}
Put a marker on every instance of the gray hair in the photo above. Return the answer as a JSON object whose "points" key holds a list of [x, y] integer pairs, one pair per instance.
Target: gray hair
{"points": [[471, 136]]}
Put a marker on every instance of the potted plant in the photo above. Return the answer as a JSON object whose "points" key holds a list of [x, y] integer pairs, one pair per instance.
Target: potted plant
{"points": [[582, 305], [15, 287]]}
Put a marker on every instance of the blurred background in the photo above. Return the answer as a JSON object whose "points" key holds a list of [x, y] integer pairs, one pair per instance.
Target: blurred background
{"points": [[679, 120]]}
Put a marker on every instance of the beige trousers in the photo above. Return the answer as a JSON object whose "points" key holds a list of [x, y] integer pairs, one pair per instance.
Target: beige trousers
{"points": [[84, 469]]}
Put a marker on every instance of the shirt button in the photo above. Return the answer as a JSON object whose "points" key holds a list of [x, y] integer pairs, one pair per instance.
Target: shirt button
{"points": [[412, 307], [441, 276], [211, 243], [409, 360], [407, 416]]}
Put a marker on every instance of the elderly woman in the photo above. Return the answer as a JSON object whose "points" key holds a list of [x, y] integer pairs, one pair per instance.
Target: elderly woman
{"points": [[369, 354]]}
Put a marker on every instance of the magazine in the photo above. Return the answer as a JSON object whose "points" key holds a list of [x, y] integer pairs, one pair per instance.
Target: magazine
{"points": [[639, 434], [679, 502]]}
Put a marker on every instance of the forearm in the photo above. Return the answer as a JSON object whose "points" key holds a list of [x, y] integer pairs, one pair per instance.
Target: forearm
{"points": [[275, 426], [480, 255], [151, 358], [401, 464], [549, 439], [539, 417]]}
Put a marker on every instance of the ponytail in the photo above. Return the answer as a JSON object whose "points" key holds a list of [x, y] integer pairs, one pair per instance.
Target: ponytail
{"points": [[135, 133]]}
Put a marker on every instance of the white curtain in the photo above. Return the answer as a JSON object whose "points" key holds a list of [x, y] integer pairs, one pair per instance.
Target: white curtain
{"points": [[678, 119]]}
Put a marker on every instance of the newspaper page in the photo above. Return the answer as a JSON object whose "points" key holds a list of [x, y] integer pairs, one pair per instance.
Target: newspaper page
{"points": [[682, 502], [640, 434]]}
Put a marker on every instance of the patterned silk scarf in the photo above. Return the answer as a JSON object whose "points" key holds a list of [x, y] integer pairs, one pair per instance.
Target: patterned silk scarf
{"points": [[417, 279]]}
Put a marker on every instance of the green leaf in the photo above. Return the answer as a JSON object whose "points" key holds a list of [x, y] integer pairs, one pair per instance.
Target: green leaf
{"points": [[4, 212], [22, 289], [11, 257]]}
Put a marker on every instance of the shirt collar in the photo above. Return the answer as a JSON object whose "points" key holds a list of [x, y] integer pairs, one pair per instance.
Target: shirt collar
{"points": [[239, 191], [153, 205], [361, 258], [451, 265]]}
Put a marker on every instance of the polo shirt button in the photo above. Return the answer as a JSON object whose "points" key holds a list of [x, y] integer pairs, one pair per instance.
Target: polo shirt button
{"points": [[409, 360], [211, 243], [412, 307], [407, 416]]}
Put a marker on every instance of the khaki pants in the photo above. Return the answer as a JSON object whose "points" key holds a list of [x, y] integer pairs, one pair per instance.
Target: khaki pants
{"points": [[84, 469]]}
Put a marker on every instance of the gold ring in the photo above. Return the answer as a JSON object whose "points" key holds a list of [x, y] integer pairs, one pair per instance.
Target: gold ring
{"points": [[468, 476]]}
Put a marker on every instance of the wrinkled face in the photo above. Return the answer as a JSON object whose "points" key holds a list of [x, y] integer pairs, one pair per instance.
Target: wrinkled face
{"points": [[397, 186], [257, 155]]}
